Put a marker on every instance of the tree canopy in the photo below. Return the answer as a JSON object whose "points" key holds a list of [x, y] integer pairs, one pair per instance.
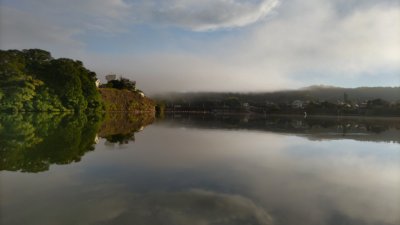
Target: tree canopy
{"points": [[32, 80], [121, 84]]}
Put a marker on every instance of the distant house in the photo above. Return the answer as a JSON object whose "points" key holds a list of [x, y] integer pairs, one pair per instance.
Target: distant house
{"points": [[340, 103], [269, 103], [297, 104], [111, 77], [141, 94], [96, 139], [363, 105], [97, 83]]}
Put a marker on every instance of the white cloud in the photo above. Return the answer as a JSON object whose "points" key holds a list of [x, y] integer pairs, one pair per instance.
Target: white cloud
{"points": [[302, 43], [326, 42], [157, 73], [202, 15], [284, 52], [23, 30], [117, 15], [106, 16]]}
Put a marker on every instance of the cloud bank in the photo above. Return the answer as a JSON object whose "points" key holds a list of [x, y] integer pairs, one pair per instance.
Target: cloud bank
{"points": [[202, 15], [216, 45]]}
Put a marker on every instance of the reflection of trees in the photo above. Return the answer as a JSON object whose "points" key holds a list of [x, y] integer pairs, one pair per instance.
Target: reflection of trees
{"points": [[121, 138], [121, 127], [357, 128], [33, 142]]}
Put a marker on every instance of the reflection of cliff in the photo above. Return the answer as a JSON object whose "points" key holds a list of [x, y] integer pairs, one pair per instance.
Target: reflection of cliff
{"points": [[121, 127], [33, 142], [356, 128]]}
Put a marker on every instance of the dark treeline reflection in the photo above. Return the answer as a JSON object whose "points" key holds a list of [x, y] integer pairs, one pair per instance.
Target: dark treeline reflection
{"points": [[315, 128], [31, 142]]}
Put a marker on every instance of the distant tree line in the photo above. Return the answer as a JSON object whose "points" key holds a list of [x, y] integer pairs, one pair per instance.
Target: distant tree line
{"points": [[121, 84], [313, 93], [234, 104], [32, 80], [316, 128]]}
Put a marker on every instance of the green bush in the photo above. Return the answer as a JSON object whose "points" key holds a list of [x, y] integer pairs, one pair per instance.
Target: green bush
{"points": [[31, 80]]}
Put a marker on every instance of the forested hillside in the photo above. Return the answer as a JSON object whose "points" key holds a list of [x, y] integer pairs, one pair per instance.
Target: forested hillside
{"points": [[313, 93], [32, 80]]}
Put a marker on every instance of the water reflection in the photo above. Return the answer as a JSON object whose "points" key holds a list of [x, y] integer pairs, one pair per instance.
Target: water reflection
{"points": [[314, 128], [31, 142], [121, 127], [194, 207], [227, 172]]}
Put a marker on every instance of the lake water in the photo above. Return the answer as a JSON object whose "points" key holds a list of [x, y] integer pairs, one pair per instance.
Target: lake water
{"points": [[198, 170]]}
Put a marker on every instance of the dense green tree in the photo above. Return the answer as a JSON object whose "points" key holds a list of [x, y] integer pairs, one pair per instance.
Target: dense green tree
{"points": [[377, 103], [121, 84], [31, 80]]}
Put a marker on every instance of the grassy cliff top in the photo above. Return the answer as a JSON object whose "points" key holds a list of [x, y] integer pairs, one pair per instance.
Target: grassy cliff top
{"points": [[125, 100]]}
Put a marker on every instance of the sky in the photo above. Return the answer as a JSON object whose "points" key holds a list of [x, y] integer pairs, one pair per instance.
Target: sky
{"points": [[216, 45]]}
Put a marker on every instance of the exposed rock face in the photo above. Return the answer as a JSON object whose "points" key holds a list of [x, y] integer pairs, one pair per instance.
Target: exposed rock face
{"points": [[124, 100]]}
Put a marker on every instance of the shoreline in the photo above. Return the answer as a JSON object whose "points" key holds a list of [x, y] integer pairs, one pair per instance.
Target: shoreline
{"points": [[285, 115]]}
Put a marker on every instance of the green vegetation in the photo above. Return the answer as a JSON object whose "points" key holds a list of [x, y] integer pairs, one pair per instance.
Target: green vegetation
{"points": [[125, 100], [32, 80], [121, 84], [313, 93], [316, 100], [160, 109]]}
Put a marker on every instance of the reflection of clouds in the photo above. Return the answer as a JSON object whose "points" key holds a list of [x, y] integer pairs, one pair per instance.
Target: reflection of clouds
{"points": [[317, 183], [313, 182], [97, 205], [188, 148], [195, 207], [297, 181]]}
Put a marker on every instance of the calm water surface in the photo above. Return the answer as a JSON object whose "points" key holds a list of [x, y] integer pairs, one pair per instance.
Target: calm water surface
{"points": [[198, 170]]}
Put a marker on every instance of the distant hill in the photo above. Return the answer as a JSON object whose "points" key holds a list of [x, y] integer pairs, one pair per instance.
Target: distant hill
{"points": [[356, 94], [312, 93]]}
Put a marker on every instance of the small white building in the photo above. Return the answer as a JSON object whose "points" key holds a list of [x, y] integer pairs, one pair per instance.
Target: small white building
{"points": [[97, 83], [96, 139], [297, 104]]}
